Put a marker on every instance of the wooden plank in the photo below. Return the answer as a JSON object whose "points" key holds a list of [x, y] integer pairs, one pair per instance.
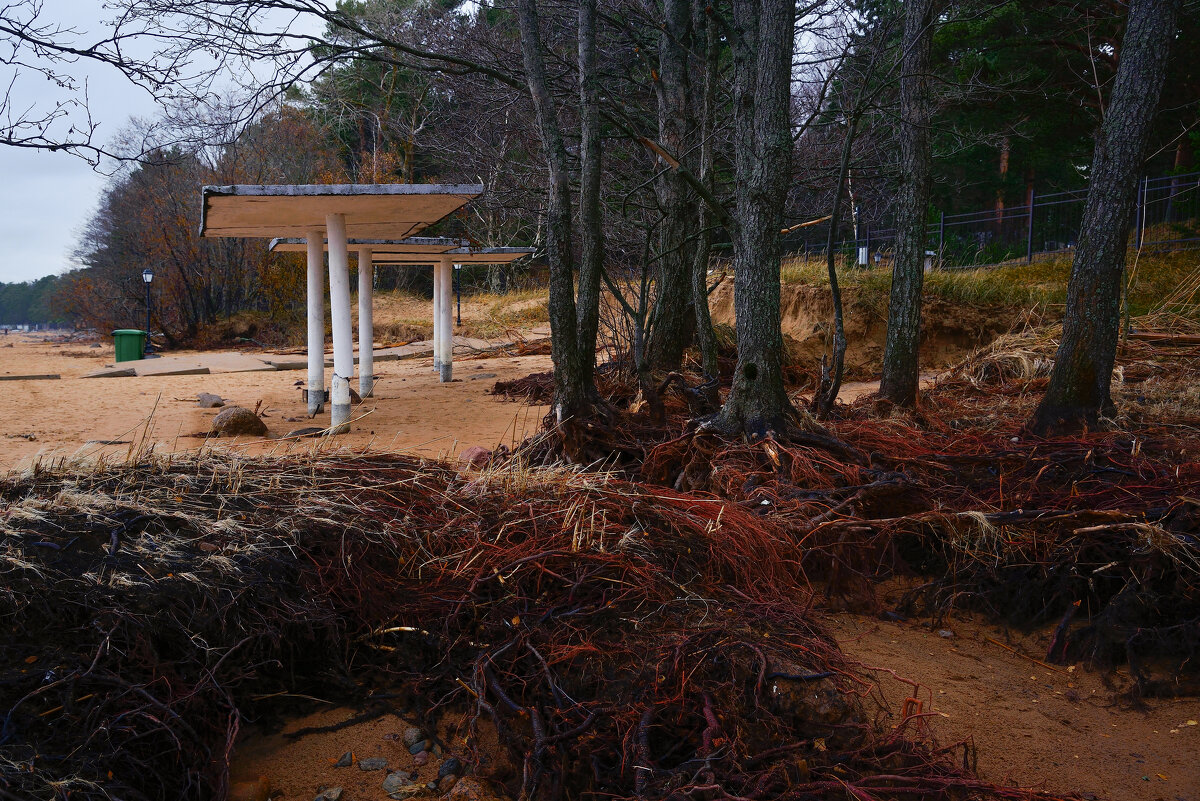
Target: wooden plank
{"points": [[1166, 339]]}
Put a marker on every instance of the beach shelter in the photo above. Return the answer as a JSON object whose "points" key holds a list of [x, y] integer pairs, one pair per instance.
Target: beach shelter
{"points": [[444, 265], [328, 216], [443, 255]]}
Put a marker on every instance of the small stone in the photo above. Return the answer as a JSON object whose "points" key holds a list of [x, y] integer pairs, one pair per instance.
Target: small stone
{"points": [[446, 783], [207, 400], [307, 431], [417, 748], [437, 750], [471, 790], [475, 456], [400, 786], [391, 737], [431, 786], [332, 794], [346, 760], [420, 759], [413, 735], [945, 634], [372, 763], [395, 781], [451, 765]]}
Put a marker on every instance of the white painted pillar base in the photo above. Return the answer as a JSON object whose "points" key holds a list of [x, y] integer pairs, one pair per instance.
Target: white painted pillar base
{"points": [[316, 321], [366, 327], [343, 331], [437, 317], [445, 308]]}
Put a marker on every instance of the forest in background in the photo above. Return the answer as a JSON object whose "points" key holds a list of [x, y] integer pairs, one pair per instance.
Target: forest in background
{"points": [[1019, 89], [30, 302], [637, 601]]}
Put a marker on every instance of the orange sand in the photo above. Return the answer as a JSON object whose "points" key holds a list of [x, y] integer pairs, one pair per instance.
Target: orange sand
{"points": [[411, 411]]}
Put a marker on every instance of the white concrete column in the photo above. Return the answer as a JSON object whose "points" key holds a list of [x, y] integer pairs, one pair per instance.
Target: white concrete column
{"points": [[437, 319], [366, 327], [316, 321], [445, 309], [343, 331]]}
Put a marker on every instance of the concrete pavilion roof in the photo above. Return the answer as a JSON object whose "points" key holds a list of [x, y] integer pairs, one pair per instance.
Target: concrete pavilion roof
{"points": [[292, 210], [458, 256], [413, 244]]}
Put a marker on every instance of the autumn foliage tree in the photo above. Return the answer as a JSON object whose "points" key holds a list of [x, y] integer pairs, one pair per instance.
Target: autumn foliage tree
{"points": [[149, 218]]}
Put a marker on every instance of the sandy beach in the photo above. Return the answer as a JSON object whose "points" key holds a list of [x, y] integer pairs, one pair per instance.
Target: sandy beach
{"points": [[76, 417]]}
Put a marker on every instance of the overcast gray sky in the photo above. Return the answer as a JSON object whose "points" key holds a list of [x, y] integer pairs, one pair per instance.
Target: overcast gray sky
{"points": [[45, 198]]}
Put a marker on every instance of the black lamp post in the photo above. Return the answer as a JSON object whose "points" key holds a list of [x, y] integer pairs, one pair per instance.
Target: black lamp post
{"points": [[458, 290], [147, 277]]}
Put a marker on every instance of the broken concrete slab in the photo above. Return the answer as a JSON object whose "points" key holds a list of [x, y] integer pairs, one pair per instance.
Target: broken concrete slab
{"points": [[286, 364], [173, 371], [412, 350], [39, 377], [111, 372], [209, 362], [382, 355]]}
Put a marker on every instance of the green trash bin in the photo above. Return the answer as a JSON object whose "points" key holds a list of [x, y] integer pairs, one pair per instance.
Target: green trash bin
{"points": [[129, 343]]}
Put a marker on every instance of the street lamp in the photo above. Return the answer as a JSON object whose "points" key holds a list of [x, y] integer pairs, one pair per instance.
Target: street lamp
{"points": [[458, 290], [147, 277]]}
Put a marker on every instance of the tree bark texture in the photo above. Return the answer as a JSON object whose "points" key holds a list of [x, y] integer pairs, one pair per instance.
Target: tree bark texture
{"points": [[591, 262], [899, 379], [706, 102], [762, 56], [1079, 389], [671, 322], [572, 395]]}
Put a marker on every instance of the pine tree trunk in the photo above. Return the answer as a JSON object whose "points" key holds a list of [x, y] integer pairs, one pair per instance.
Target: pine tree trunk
{"points": [[591, 233], [899, 379], [1078, 392], [671, 322], [757, 403], [572, 393]]}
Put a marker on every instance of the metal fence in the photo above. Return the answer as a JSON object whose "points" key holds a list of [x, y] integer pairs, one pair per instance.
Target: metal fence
{"points": [[1167, 218]]}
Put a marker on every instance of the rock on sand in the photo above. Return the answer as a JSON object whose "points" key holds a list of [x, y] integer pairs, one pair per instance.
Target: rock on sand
{"points": [[472, 790], [234, 421], [475, 456]]}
